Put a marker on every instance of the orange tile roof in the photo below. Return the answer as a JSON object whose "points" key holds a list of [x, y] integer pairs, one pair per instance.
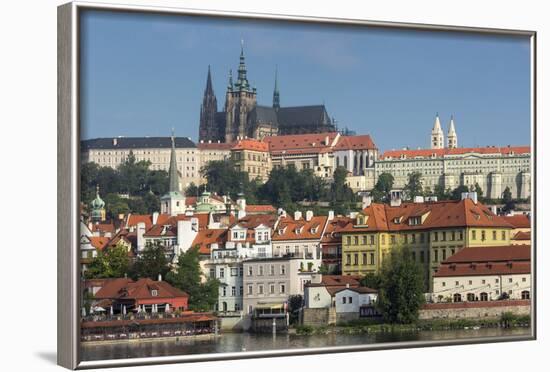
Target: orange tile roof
{"points": [[519, 221], [171, 224], [442, 214], [522, 235], [255, 220], [334, 228], [362, 142], [205, 238], [214, 146], [300, 143], [289, 225], [104, 227], [132, 220], [260, 208], [99, 242], [124, 288], [457, 151], [251, 144], [504, 260]]}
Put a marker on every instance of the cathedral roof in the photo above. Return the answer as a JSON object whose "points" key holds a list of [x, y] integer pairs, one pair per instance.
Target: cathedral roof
{"points": [[264, 114], [363, 142], [303, 116], [314, 142], [135, 143]]}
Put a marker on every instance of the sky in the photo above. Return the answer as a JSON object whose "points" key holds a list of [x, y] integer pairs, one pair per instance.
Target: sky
{"points": [[144, 74]]}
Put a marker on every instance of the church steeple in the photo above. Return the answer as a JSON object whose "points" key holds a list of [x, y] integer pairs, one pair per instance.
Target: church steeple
{"points": [[437, 138], [208, 128], [452, 137], [209, 90], [173, 171], [276, 98], [173, 202], [242, 80]]}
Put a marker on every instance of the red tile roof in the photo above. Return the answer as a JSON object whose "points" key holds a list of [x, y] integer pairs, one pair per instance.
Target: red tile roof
{"points": [[169, 227], [457, 151], [503, 260], [522, 235], [124, 288], [104, 227], [132, 220], [260, 208], [363, 142], [205, 239], [214, 146], [462, 213], [519, 221], [254, 220], [301, 143], [251, 144], [99, 242], [312, 229], [334, 228]]}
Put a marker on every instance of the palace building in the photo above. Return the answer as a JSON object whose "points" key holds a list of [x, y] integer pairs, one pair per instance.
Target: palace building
{"points": [[242, 116]]}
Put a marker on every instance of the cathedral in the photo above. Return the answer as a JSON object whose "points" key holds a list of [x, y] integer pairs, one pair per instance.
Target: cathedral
{"points": [[243, 117]]}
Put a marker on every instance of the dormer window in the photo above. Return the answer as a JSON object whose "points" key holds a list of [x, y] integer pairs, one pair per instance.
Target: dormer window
{"points": [[413, 221], [298, 230], [154, 293], [397, 220], [314, 230]]}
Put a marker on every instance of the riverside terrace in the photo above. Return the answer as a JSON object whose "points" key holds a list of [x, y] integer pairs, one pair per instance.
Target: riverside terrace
{"points": [[147, 326]]}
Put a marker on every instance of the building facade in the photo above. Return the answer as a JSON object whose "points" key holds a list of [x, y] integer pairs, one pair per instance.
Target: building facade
{"points": [[252, 156]]}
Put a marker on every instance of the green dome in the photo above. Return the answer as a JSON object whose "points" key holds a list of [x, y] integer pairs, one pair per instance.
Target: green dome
{"points": [[97, 203]]}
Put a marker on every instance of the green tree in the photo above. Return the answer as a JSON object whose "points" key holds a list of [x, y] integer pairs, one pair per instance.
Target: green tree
{"points": [[382, 187], [133, 175], [371, 280], [115, 205], [400, 294], [295, 303], [441, 193], [111, 263], [151, 262], [509, 203], [224, 179], [456, 194], [187, 277], [413, 188], [479, 191]]}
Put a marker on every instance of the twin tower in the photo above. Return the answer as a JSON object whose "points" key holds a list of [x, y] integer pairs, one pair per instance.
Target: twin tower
{"points": [[438, 138]]}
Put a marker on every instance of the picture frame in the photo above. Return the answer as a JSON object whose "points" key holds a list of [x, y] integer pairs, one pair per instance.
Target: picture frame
{"points": [[68, 179]]}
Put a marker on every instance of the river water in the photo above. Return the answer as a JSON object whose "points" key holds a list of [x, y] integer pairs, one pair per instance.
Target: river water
{"points": [[235, 342]]}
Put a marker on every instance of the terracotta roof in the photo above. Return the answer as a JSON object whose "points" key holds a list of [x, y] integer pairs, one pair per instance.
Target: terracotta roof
{"points": [[99, 242], [456, 151], [363, 142], [470, 261], [260, 208], [462, 213], [124, 288], [132, 220], [169, 227], [205, 238], [192, 200], [214, 146], [301, 143], [255, 220], [103, 227], [289, 228], [519, 221], [337, 280], [125, 235], [359, 290], [251, 144], [334, 228], [522, 235]]}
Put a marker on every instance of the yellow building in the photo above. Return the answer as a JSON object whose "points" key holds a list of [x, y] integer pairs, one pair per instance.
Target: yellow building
{"points": [[432, 231], [252, 156]]}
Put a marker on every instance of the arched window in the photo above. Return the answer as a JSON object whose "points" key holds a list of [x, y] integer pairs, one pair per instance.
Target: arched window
{"points": [[525, 295], [483, 296], [471, 297], [457, 297]]}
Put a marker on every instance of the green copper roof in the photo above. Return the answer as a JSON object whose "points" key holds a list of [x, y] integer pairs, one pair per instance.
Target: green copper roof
{"points": [[97, 203]]}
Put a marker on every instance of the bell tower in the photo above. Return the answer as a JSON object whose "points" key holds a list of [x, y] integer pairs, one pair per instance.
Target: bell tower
{"points": [[437, 140]]}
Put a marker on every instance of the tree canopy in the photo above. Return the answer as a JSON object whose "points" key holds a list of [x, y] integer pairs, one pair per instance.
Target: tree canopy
{"points": [[413, 188], [150, 263], [111, 263], [382, 188]]}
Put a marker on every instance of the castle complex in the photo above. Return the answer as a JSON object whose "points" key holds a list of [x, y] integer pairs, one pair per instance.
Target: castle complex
{"points": [[242, 116]]}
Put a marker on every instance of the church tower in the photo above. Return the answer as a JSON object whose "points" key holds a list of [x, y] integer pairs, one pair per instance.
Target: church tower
{"points": [[452, 138], [276, 98], [437, 139], [208, 129], [173, 202], [240, 100], [97, 207]]}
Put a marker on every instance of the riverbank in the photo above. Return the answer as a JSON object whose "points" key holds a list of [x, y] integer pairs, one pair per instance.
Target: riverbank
{"points": [[360, 326], [150, 339]]}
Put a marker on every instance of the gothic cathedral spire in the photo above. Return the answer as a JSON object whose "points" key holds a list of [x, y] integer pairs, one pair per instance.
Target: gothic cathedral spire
{"points": [[208, 128], [276, 98], [437, 138], [452, 137], [174, 184]]}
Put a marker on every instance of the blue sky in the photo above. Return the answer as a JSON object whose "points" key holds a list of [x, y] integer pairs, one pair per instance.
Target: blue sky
{"points": [[143, 74]]}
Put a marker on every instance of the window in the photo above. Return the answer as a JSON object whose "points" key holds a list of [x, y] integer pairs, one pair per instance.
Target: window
{"points": [[474, 235], [344, 300], [241, 271], [283, 269], [212, 272], [356, 240], [283, 288], [482, 235], [364, 240], [356, 259], [249, 290], [413, 255], [372, 239], [224, 291], [350, 299], [457, 283], [469, 282], [260, 289], [460, 235], [421, 237], [272, 288], [222, 272], [510, 280], [422, 256], [383, 239], [443, 284], [483, 281], [234, 271], [436, 255], [444, 254], [364, 258], [272, 270], [483, 296], [260, 270], [525, 295], [503, 235], [250, 271], [349, 240], [154, 293], [496, 280], [371, 258], [444, 236], [348, 259], [241, 292], [457, 297], [524, 279], [233, 291], [436, 236]]}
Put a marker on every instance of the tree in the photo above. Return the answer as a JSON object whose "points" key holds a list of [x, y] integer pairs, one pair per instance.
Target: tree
{"points": [[111, 263], [400, 294], [151, 262], [342, 198], [413, 188], [441, 193], [187, 277], [295, 303], [383, 187], [224, 179], [478, 191], [133, 175], [507, 200], [456, 194], [371, 280]]}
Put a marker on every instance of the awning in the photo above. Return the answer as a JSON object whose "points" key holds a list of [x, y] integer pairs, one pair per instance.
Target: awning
{"points": [[272, 306]]}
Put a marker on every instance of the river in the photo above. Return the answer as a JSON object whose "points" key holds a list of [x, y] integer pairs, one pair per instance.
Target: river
{"points": [[234, 342]]}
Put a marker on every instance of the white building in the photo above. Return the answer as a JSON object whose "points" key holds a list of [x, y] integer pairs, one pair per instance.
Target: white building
{"points": [[350, 301], [484, 274]]}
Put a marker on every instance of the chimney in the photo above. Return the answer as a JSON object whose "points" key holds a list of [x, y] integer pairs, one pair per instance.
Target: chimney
{"points": [[155, 217], [395, 202], [241, 214], [469, 195], [366, 201], [309, 215], [347, 285], [326, 141], [330, 215], [297, 215], [419, 199], [140, 238], [115, 141], [159, 277]]}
